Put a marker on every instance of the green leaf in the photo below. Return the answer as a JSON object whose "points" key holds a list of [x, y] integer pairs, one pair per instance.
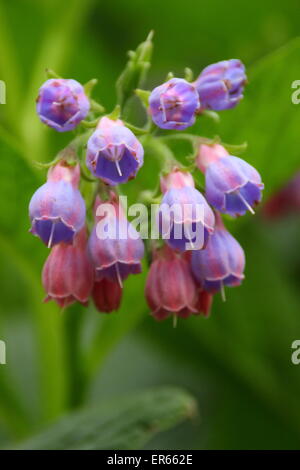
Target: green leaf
{"points": [[135, 70], [25, 254], [119, 424]]}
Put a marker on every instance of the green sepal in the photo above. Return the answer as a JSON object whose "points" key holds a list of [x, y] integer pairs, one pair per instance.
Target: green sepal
{"points": [[143, 96], [169, 76], [236, 149], [90, 124], [211, 114], [97, 107], [115, 114], [51, 74], [188, 74], [89, 86]]}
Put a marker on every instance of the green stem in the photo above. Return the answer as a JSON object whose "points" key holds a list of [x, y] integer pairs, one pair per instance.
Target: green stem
{"points": [[136, 130], [89, 124], [184, 136], [75, 370], [85, 176], [161, 151], [10, 71]]}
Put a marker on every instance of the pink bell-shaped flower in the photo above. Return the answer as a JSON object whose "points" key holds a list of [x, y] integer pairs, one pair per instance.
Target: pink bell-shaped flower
{"points": [[68, 273]]}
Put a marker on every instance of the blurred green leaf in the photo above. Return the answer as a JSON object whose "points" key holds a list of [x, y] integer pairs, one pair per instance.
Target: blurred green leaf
{"points": [[9, 69], [25, 254], [267, 119], [244, 348], [119, 424]]}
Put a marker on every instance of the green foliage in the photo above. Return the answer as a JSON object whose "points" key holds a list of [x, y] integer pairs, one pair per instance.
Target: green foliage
{"points": [[267, 119], [118, 424], [237, 362]]}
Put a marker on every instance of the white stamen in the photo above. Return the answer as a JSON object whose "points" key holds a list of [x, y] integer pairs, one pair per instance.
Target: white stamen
{"points": [[190, 239], [118, 168], [223, 295], [51, 235], [245, 202], [119, 275]]}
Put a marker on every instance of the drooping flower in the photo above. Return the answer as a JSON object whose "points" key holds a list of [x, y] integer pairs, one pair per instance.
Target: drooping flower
{"points": [[233, 186], [185, 220], [107, 295], [114, 154], [57, 209], [174, 104], [115, 246], [221, 263], [170, 287], [68, 272], [204, 302], [62, 104], [221, 85]]}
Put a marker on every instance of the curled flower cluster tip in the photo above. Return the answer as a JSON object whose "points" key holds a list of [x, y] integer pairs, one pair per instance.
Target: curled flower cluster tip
{"points": [[78, 212]]}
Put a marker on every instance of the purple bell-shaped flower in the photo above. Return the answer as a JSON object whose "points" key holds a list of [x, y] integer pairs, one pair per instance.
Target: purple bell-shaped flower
{"points": [[185, 220], [114, 154], [115, 246], [62, 104], [221, 85], [221, 263], [57, 209], [174, 104], [232, 186]]}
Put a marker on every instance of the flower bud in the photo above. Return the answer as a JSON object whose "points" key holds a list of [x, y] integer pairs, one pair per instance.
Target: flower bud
{"points": [[62, 104], [57, 209], [115, 246], [107, 295], [176, 179], [208, 154], [222, 262], [68, 273], [232, 186], [114, 154], [174, 104], [221, 85], [185, 220], [170, 287]]}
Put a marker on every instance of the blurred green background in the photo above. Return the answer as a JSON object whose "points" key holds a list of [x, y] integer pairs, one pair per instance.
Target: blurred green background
{"points": [[237, 364]]}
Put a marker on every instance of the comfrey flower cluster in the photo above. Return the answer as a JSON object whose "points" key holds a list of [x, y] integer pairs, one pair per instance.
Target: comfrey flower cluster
{"points": [[78, 214]]}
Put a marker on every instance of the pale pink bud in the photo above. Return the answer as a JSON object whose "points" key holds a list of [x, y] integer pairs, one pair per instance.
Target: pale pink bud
{"points": [[209, 154]]}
